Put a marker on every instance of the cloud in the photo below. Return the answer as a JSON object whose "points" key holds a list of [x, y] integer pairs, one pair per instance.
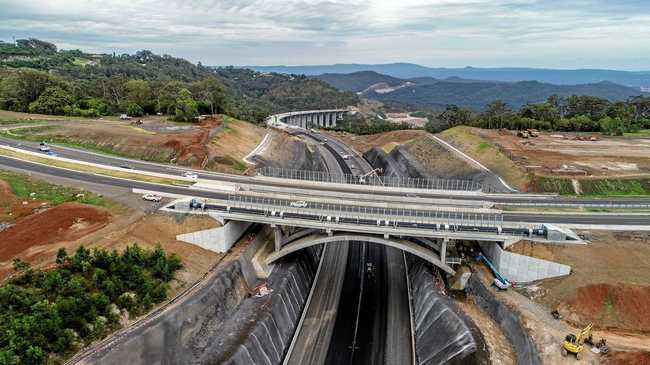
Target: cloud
{"points": [[551, 33]]}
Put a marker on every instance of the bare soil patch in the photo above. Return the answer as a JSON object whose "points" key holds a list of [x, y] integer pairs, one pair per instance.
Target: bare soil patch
{"points": [[32, 234], [628, 358], [608, 306], [562, 154], [609, 283]]}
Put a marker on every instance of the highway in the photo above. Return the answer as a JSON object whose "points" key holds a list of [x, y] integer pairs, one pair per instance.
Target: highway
{"points": [[314, 333], [373, 322], [338, 149], [615, 219]]}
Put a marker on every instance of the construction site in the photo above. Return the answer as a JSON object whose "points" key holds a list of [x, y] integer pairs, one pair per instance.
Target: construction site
{"points": [[597, 313]]}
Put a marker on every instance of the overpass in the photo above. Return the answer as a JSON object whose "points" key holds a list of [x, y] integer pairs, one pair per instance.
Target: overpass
{"points": [[307, 119], [423, 231]]}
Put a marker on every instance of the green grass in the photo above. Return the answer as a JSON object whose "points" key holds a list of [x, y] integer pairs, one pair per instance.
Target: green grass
{"points": [[483, 146], [595, 187], [640, 133], [239, 166], [27, 187], [20, 121]]}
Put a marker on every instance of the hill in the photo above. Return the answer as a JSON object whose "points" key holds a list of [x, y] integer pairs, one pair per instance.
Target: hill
{"points": [[358, 81], [475, 95], [36, 76], [431, 93], [409, 70]]}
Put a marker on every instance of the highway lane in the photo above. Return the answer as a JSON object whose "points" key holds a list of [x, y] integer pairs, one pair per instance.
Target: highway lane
{"points": [[312, 340], [374, 317], [613, 219], [335, 146]]}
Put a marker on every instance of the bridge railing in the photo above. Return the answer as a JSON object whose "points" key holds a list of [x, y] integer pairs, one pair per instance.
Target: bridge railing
{"points": [[373, 180], [405, 215]]}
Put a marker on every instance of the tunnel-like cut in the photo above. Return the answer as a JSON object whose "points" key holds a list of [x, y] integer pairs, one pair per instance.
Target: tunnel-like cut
{"points": [[317, 239]]}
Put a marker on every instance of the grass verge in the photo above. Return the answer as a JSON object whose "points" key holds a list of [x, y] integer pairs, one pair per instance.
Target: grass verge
{"points": [[623, 187], [488, 154], [90, 169], [27, 187]]}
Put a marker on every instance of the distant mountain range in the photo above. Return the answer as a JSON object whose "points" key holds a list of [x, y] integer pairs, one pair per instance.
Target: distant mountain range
{"points": [[431, 93], [408, 70]]}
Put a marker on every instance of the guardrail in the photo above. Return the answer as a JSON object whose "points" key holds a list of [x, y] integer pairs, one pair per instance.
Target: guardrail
{"points": [[433, 217], [374, 180]]}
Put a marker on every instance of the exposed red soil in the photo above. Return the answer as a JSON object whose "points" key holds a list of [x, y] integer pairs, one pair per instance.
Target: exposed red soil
{"points": [[628, 358], [618, 307], [194, 146], [66, 222]]}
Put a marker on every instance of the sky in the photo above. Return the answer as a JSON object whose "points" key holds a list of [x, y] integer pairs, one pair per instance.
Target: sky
{"points": [[611, 34]]}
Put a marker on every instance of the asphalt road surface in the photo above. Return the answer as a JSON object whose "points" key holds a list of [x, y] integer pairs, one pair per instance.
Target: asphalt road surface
{"points": [[312, 340], [335, 146], [373, 323], [620, 219]]}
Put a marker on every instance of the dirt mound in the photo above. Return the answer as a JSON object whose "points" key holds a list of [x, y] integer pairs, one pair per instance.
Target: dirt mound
{"points": [[622, 307], [66, 222], [628, 358]]}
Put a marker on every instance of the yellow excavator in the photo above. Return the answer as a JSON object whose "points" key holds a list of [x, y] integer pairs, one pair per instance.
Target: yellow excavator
{"points": [[574, 344]]}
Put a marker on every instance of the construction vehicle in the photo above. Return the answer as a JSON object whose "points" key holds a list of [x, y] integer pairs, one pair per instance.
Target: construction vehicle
{"points": [[362, 178], [533, 132], [499, 281], [574, 344], [523, 134]]}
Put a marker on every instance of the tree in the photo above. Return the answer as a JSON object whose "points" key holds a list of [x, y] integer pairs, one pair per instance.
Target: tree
{"points": [[54, 100], [186, 107], [23, 87], [168, 96], [210, 91], [134, 110], [138, 92]]}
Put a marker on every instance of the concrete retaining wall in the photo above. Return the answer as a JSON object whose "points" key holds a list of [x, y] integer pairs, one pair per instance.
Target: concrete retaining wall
{"points": [[522, 269], [218, 239]]}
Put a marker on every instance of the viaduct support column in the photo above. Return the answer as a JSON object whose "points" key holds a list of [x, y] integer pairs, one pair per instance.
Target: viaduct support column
{"points": [[277, 233], [443, 250]]}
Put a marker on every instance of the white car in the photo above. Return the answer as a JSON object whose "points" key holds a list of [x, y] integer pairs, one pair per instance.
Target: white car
{"points": [[151, 197], [43, 147], [299, 204], [191, 175]]}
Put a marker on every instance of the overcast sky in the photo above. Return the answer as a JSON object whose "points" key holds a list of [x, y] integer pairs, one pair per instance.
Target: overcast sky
{"points": [[453, 33]]}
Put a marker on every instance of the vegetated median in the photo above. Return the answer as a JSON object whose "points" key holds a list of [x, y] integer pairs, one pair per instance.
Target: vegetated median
{"points": [[88, 168], [48, 315], [594, 187]]}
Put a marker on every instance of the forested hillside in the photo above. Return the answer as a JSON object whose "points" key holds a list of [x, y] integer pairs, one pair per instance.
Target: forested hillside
{"points": [[436, 94], [37, 77], [358, 81]]}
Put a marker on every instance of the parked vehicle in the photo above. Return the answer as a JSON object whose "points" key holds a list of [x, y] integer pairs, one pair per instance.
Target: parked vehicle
{"points": [[151, 197], [299, 204]]}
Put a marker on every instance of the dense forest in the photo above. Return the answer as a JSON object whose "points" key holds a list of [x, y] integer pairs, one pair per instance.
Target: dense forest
{"points": [[575, 113], [36, 77], [52, 313]]}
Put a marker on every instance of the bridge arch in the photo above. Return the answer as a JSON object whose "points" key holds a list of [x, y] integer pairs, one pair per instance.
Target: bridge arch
{"points": [[317, 239]]}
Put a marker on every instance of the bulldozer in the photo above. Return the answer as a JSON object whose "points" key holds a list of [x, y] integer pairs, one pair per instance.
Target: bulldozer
{"points": [[574, 344]]}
